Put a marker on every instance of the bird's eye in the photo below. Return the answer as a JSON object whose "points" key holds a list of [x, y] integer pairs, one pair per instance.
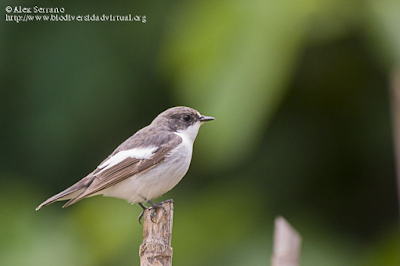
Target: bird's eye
{"points": [[186, 118]]}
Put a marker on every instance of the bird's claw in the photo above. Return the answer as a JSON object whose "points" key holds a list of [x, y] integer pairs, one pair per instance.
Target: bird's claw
{"points": [[153, 214], [140, 217], [153, 208], [142, 213]]}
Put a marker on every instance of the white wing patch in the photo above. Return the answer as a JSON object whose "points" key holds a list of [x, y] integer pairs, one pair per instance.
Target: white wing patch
{"points": [[138, 153]]}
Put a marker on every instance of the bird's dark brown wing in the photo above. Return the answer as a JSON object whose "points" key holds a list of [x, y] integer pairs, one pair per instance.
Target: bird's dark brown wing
{"points": [[125, 169], [99, 180]]}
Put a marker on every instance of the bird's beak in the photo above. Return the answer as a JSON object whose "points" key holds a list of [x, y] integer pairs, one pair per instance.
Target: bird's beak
{"points": [[204, 118]]}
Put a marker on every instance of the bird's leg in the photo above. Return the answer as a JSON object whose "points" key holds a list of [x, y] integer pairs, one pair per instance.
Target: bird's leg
{"points": [[154, 206], [158, 205], [141, 214]]}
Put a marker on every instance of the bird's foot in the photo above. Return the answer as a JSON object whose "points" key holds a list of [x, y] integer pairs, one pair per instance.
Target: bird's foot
{"points": [[142, 213], [153, 208]]}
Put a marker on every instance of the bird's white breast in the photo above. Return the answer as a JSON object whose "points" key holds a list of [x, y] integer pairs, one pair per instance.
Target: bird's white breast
{"points": [[161, 178]]}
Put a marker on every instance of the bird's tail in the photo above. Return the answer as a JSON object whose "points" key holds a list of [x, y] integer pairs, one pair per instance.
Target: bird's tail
{"points": [[69, 193]]}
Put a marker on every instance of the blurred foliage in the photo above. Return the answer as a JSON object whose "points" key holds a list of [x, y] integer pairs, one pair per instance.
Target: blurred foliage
{"points": [[300, 93]]}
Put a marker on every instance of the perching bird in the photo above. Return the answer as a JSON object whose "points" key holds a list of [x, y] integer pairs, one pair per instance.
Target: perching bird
{"points": [[148, 164]]}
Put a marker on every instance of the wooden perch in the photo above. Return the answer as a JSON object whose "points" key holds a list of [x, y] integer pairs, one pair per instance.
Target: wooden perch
{"points": [[287, 244], [157, 234]]}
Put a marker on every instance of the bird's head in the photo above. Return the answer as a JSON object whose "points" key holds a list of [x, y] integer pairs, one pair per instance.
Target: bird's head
{"points": [[182, 119]]}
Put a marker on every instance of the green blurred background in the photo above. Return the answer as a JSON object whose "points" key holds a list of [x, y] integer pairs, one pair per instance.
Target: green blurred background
{"points": [[303, 129]]}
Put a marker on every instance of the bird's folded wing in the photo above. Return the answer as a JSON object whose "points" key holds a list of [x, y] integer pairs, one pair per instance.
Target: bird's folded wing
{"points": [[105, 178]]}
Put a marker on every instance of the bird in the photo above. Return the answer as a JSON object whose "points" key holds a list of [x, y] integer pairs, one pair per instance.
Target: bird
{"points": [[145, 166]]}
